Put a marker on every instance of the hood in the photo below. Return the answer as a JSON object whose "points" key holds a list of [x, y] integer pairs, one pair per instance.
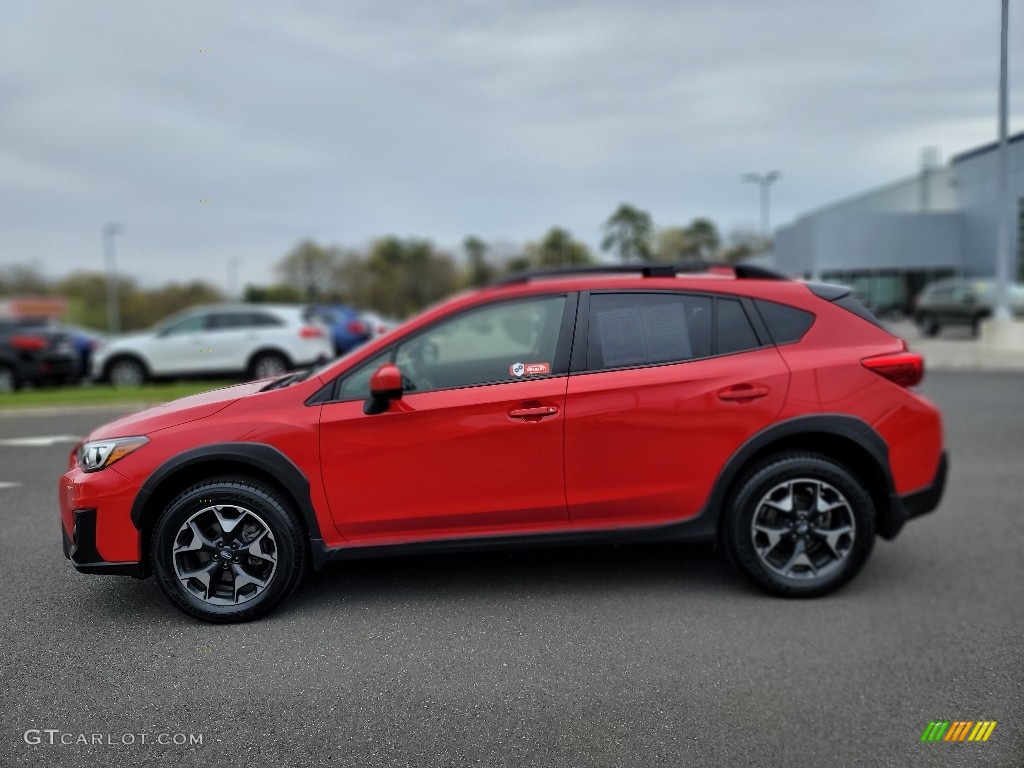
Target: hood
{"points": [[176, 412]]}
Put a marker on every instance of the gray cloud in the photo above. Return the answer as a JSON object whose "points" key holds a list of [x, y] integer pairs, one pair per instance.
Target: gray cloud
{"points": [[344, 121]]}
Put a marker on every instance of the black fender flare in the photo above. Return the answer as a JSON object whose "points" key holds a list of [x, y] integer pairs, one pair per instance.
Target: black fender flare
{"points": [[849, 428], [265, 458]]}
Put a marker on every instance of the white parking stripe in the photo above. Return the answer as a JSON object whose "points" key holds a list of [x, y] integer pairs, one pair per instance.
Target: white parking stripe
{"points": [[8, 485], [38, 442]]}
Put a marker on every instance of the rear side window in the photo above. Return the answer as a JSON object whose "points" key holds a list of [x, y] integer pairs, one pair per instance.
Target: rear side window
{"points": [[633, 329], [262, 320], [785, 324]]}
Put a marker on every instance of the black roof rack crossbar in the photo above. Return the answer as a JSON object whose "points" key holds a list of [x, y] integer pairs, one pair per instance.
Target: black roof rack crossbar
{"points": [[743, 271]]}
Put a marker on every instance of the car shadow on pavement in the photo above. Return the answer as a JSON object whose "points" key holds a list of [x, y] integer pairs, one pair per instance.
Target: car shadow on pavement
{"points": [[561, 571]]}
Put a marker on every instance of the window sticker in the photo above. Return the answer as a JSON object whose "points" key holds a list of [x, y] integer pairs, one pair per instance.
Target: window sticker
{"points": [[529, 369]]}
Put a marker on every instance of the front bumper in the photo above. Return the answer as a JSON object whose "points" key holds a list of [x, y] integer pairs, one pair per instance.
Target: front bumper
{"points": [[911, 505], [97, 531], [80, 549]]}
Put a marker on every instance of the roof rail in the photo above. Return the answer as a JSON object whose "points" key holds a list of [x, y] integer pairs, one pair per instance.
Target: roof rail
{"points": [[743, 271]]}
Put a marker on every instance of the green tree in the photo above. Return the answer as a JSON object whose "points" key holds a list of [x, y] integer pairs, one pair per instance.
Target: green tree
{"points": [[673, 244], [628, 233], [558, 249], [743, 243], [407, 275], [480, 272], [279, 293], [705, 237], [700, 240], [309, 267], [23, 280]]}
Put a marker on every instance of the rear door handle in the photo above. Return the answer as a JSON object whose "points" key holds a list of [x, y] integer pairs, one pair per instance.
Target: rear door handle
{"points": [[533, 414], [743, 392]]}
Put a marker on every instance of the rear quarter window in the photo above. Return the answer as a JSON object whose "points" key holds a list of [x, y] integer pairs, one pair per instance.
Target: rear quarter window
{"points": [[786, 324]]}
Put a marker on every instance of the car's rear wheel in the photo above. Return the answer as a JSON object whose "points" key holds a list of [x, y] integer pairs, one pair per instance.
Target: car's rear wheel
{"points": [[800, 525], [268, 364], [8, 379], [126, 372], [228, 550]]}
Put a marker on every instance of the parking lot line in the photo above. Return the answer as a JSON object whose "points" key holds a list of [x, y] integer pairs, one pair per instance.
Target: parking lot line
{"points": [[43, 441]]}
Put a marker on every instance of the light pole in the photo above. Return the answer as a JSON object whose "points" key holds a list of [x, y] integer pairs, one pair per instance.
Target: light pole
{"points": [[1003, 220], [110, 230], [233, 278], [763, 180]]}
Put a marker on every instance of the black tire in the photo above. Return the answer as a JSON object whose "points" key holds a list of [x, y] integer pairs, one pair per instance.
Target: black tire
{"points": [[126, 372], [928, 325], [267, 364], [803, 552], [265, 548]]}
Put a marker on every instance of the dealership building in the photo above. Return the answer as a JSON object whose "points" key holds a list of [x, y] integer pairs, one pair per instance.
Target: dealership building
{"points": [[889, 242]]}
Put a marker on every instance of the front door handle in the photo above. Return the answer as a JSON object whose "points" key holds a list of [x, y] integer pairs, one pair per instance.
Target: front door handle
{"points": [[743, 392], [533, 414]]}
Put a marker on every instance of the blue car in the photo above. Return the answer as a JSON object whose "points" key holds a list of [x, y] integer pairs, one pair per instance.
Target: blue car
{"points": [[348, 329]]}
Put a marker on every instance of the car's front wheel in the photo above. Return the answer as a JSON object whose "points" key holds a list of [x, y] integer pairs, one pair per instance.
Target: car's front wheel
{"points": [[126, 372], [928, 325], [800, 525], [228, 549]]}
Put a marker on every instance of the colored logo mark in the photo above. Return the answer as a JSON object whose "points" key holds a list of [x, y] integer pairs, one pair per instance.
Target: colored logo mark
{"points": [[958, 730]]}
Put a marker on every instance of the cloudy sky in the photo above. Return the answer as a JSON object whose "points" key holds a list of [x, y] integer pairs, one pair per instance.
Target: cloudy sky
{"points": [[343, 121]]}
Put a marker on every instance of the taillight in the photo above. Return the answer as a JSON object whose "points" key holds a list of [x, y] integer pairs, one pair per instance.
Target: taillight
{"points": [[28, 343], [903, 368], [357, 328], [311, 332]]}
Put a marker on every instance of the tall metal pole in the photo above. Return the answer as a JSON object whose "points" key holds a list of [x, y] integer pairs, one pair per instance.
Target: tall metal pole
{"points": [[1003, 220], [113, 308], [764, 181], [233, 278]]}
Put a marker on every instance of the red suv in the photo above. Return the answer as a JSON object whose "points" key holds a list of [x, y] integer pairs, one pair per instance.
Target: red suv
{"points": [[633, 403]]}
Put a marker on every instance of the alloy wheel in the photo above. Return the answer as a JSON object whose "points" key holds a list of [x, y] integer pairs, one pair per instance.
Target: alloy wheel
{"points": [[803, 529]]}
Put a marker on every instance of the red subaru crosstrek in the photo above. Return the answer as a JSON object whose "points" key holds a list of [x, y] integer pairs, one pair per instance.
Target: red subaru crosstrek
{"points": [[632, 403]]}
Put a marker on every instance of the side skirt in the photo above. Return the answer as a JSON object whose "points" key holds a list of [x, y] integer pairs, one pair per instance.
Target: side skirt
{"points": [[700, 528]]}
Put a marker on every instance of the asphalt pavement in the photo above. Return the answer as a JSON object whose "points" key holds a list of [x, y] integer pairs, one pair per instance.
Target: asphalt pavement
{"points": [[611, 656]]}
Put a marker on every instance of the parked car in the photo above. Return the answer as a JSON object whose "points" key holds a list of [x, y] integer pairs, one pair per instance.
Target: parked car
{"points": [[348, 328], [32, 352], [254, 340], [639, 403], [85, 341], [377, 324], [960, 301]]}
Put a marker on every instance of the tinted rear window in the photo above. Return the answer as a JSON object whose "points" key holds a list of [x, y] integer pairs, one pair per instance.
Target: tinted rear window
{"points": [[785, 323], [646, 329]]}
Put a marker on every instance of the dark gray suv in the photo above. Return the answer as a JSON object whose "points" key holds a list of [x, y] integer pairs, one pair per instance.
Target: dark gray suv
{"points": [[960, 301]]}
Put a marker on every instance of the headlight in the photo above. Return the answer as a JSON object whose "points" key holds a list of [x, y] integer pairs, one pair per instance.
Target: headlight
{"points": [[100, 454]]}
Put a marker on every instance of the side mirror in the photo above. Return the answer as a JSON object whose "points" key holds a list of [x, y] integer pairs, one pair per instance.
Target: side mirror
{"points": [[385, 386]]}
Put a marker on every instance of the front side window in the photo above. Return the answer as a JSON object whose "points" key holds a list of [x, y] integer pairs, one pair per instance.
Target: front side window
{"points": [[510, 341], [188, 325]]}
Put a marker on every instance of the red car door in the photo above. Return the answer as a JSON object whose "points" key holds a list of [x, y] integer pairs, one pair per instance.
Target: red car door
{"points": [[674, 384], [475, 444]]}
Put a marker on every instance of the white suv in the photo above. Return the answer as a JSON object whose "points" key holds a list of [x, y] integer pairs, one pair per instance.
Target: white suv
{"points": [[256, 340]]}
